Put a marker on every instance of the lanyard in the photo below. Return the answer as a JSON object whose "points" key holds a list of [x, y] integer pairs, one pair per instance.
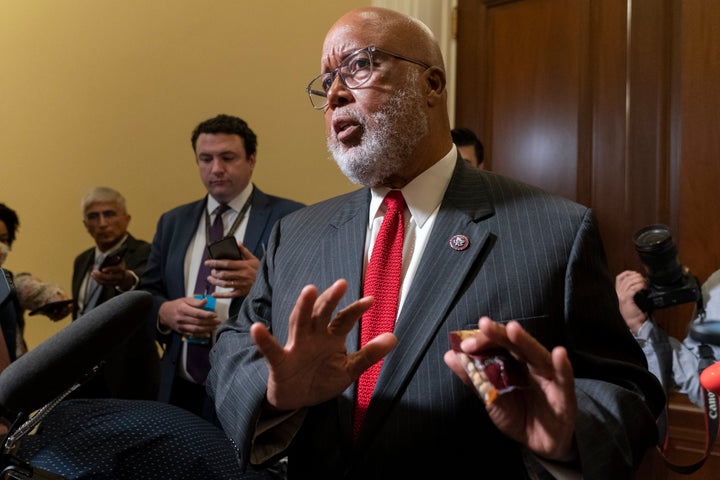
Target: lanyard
{"points": [[234, 225]]}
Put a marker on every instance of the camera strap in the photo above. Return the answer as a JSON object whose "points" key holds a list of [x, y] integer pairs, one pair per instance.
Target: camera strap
{"points": [[711, 420]]}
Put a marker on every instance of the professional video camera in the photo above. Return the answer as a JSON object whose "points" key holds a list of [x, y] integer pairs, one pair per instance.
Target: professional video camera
{"points": [[669, 282]]}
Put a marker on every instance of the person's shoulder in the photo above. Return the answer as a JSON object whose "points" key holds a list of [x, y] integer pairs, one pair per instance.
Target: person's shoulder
{"points": [[711, 296], [183, 210], [322, 205], [497, 181], [325, 209], [713, 281], [136, 243], [310, 209], [283, 203], [84, 254], [513, 191], [339, 200]]}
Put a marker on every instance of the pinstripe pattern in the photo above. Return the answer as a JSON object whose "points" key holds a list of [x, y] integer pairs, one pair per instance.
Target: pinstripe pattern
{"points": [[532, 257]]}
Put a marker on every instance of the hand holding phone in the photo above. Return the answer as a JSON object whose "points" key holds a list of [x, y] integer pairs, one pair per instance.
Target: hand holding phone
{"points": [[113, 259], [225, 249]]}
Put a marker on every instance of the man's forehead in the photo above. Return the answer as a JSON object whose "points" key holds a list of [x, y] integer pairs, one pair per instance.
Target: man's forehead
{"points": [[345, 38], [334, 51], [102, 206], [331, 58]]}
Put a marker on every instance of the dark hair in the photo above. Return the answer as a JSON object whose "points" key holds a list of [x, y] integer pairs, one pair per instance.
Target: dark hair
{"points": [[11, 221], [466, 137], [229, 125]]}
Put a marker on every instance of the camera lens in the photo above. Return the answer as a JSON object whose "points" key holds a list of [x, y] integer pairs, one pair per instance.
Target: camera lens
{"points": [[657, 251]]}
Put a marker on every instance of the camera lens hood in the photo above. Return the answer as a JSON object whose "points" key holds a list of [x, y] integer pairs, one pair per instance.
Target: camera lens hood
{"points": [[657, 251], [653, 238]]}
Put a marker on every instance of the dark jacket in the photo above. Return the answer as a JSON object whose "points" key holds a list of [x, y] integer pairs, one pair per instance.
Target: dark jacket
{"points": [[133, 371]]}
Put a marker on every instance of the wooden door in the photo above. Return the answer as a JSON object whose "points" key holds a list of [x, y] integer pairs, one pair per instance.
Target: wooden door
{"points": [[614, 104]]}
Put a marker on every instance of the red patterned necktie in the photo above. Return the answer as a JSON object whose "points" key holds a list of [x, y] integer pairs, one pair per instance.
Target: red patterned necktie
{"points": [[198, 354], [382, 282]]}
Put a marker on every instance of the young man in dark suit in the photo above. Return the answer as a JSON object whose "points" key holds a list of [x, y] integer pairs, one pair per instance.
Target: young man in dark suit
{"points": [[111, 267], [190, 302], [479, 251]]}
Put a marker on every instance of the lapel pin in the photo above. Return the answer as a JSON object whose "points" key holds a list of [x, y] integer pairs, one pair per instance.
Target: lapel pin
{"points": [[459, 242]]}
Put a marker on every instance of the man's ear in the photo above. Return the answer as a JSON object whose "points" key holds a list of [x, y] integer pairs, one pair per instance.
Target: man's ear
{"points": [[435, 82]]}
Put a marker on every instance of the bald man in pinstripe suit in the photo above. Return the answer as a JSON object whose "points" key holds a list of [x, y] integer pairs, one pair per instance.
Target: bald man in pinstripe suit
{"points": [[480, 252]]}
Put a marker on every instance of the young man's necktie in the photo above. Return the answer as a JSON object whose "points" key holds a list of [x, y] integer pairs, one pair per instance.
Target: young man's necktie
{"points": [[198, 353]]}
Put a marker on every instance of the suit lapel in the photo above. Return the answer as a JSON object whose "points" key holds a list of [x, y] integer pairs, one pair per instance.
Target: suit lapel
{"points": [[186, 228], [347, 247], [441, 275], [344, 248], [84, 265]]}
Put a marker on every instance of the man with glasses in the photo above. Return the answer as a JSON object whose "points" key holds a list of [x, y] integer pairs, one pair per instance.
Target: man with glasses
{"points": [[111, 267], [341, 357]]}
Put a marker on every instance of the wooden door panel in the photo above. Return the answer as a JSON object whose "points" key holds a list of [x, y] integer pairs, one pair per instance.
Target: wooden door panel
{"points": [[534, 67], [615, 104]]}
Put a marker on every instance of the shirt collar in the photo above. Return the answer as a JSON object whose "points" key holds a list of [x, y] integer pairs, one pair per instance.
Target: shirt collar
{"points": [[236, 203], [424, 193]]}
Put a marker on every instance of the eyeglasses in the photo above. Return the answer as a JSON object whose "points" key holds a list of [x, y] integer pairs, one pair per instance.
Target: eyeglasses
{"points": [[355, 70], [94, 217]]}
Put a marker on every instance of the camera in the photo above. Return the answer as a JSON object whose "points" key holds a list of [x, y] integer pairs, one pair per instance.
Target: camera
{"points": [[669, 282]]}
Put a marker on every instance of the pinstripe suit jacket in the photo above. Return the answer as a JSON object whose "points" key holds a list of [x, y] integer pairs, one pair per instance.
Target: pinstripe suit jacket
{"points": [[532, 257], [164, 276]]}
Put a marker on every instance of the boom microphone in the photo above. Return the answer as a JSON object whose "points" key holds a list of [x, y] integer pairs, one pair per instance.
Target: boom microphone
{"points": [[48, 370]]}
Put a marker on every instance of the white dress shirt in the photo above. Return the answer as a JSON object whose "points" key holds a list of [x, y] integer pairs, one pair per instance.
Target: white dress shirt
{"points": [[423, 196]]}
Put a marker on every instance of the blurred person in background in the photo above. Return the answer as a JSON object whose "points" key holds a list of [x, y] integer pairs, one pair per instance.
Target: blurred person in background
{"points": [[107, 269], [32, 294], [470, 147]]}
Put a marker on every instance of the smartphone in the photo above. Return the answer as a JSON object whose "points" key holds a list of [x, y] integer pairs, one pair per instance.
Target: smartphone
{"points": [[113, 259], [225, 249]]}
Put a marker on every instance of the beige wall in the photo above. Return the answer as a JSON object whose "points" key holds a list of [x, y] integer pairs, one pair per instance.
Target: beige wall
{"points": [[101, 92]]}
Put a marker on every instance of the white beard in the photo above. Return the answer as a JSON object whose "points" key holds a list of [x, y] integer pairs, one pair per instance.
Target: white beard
{"points": [[389, 136]]}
